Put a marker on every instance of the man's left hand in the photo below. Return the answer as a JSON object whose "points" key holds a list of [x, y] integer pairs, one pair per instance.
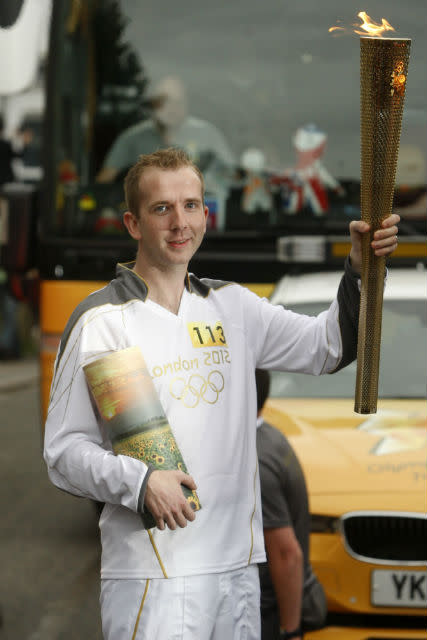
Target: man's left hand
{"points": [[384, 241]]}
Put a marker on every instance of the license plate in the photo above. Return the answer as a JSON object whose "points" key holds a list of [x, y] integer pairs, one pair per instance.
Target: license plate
{"points": [[391, 588]]}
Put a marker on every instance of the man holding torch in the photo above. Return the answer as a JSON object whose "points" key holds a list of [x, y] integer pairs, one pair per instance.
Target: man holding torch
{"points": [[192, 576]]}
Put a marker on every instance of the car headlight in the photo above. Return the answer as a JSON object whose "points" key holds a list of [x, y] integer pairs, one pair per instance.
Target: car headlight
{"points": [[324, 524]]}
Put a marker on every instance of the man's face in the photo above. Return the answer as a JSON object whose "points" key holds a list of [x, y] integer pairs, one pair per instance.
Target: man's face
{"points": [[172, 218], [170, 108]]}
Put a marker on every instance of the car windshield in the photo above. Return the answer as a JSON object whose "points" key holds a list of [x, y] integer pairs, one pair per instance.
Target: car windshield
{"points": [[402, 363]]}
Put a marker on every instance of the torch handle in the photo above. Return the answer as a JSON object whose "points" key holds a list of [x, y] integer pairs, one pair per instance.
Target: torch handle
{"points": [[369, 340]]}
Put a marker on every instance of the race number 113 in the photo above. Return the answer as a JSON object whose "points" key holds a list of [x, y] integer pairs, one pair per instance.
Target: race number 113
{"points": [[206, 335]]}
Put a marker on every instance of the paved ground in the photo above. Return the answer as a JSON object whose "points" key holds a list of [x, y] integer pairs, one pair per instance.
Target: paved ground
{"points": [[15, 374], [49, 541]]}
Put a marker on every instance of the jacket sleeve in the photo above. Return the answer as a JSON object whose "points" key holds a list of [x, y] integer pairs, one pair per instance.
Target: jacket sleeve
{"points": [[348, 298], [287, 341], [77, 449]]}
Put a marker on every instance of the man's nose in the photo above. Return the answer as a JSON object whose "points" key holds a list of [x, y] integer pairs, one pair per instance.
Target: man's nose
{"points": [[179, 218]]}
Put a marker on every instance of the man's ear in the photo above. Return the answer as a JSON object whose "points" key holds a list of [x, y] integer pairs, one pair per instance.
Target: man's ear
{"points": [[206, 213], [131, 224]]}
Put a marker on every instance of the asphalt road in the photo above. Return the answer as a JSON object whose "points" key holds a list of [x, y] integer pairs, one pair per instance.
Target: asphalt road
{"points": [[49, 547]]}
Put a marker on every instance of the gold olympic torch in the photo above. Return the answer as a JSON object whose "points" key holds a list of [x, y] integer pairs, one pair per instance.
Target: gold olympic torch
{"points": [[383, 73]]}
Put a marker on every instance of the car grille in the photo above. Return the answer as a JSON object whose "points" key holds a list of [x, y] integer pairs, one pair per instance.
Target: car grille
{"points": [[389, 538]]}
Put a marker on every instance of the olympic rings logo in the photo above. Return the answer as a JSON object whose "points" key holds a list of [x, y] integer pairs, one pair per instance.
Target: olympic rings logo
{"points": [[197, 388]]}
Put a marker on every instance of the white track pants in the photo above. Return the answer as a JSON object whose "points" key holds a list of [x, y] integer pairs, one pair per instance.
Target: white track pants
{"points": [[219, 606]]}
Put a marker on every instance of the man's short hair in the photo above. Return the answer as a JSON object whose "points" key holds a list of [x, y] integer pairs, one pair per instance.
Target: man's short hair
{"points": [[169, 159], [262, 378]]}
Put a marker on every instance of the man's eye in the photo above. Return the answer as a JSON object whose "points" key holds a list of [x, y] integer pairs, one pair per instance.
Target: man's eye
{"points": [[161, 208], [191, 205]]}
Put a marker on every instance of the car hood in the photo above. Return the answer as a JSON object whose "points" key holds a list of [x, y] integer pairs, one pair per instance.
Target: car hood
{"points": [[343, 452]]}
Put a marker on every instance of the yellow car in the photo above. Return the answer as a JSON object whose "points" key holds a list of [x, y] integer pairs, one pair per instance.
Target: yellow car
{"points": [[366, 474]]}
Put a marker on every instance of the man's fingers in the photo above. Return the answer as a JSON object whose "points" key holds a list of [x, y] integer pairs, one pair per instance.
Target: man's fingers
{"points": [[189, 512], [386, 232], [161, 524], [170, 521], [388, 225], [391, 221], [384, 247], [178, 517], [187, 480], [385, 239], [181, 519], [165, 499], [359, 225], [167, 519]]}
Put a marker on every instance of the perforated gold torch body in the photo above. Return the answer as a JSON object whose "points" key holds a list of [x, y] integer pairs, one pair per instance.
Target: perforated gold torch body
{"points": [[383, 73]]}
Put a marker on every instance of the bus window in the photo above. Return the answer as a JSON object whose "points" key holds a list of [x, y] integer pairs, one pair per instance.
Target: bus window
{"points": [[267, 106]]}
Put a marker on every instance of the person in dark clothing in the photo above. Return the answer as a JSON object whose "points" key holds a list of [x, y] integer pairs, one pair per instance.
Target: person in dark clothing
{"points": [[8, 331], [6, 156], [292, 599]]}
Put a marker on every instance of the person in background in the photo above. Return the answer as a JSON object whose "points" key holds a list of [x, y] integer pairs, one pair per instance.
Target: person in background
{"points": [[292, 598], [9, 335], [170, 126], [6, 156], [201, 340], [8, 328]]}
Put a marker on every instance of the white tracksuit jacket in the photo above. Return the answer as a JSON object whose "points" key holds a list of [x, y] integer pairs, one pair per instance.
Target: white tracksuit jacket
{"points": [[202, 362]]}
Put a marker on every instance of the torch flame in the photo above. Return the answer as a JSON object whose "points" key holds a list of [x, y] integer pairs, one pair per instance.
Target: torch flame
{"points": [[372, 28], [368, 27]]}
